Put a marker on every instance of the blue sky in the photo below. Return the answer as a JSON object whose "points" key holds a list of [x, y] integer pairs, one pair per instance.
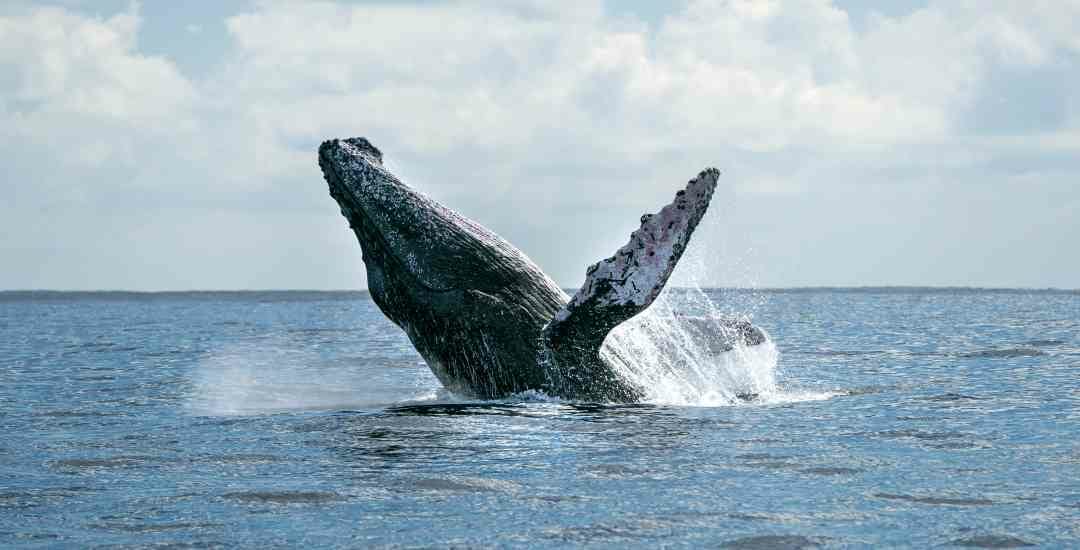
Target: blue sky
{"points": [[171, 145]]}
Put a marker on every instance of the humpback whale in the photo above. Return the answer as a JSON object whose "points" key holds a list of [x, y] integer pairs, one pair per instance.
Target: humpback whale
{"points": [[487, 321]]}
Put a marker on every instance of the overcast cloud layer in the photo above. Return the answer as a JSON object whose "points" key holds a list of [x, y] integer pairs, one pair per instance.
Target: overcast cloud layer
{"points": [[926, 144]]}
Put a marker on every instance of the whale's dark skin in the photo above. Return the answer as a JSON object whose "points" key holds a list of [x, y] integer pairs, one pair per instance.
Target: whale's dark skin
{"points": [[483, 316]]}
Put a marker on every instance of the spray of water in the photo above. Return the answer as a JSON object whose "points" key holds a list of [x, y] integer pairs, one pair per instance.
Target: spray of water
{"points": [[676, 363], [674, 360], [278, 375]]}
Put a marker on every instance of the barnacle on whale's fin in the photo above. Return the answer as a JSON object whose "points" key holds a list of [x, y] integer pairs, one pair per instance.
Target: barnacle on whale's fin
{"points": [[620, 287]]}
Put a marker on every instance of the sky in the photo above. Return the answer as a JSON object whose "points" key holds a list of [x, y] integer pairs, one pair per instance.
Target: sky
{"points": [[172, 145]]}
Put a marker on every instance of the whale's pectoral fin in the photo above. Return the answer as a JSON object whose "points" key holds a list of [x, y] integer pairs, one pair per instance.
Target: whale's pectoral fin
{"points": [[625, 284]]}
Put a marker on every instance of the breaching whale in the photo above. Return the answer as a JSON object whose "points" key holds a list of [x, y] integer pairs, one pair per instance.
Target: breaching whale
{"points": [[487, 321]]}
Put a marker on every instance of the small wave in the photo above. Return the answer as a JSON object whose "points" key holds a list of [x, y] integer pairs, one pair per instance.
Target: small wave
{"points": [[770, 465], [39, 497], [284, 497], [251, 458], [630, 530], [846, 353], [466, 485], [920, 434], [615, 471], [831, 471], [774, 542], [992, 541], [125, 527], [24, 535], [761, 456], [937, 500], [75, 414], [949, 397], [1005, 353], [959, 445], [1044, 343], [99, 463]]}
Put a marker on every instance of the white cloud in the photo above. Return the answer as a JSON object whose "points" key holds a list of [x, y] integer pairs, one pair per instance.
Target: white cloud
{"points": [[77, 100], [58, 62], [586, 118]]}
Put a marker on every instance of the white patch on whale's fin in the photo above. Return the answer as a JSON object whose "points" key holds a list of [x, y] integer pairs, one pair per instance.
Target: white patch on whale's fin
{"points": [[620, 287]]}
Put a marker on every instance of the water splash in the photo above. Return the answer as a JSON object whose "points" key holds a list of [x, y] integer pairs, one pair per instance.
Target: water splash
{"points": [[275, 376], [675, 361], [677, 365]]}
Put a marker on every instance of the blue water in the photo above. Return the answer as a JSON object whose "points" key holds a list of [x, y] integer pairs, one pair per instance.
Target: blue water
{"points": [[263, 420]]}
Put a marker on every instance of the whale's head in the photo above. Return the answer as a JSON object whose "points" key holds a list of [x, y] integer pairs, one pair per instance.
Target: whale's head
{"points": [[419, 253], [452, 285], [400, 230]]}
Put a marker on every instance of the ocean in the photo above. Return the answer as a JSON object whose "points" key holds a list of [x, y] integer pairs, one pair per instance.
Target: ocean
{"points": [[872, 418]]}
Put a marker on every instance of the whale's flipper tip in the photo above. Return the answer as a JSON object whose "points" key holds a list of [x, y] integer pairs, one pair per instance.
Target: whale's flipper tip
{"points": [[620, 287], [632, 278]]}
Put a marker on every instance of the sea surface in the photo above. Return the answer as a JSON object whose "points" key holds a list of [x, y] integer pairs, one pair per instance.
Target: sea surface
{"points": [[888, 417]]}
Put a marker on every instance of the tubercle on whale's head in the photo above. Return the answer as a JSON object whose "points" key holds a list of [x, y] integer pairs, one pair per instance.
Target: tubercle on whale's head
{"points": [[363, 147]]}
